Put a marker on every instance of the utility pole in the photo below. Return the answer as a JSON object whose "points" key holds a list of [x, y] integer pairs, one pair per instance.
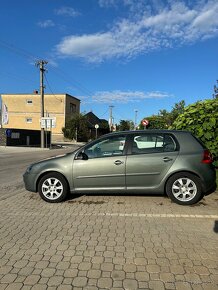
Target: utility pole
{"points": [[215, 95], [136, 112], [111, 118], [41, 64]]}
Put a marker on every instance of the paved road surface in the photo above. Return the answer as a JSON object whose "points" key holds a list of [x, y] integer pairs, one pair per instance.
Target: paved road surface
{"points": [[13, 163], [102, 242]]}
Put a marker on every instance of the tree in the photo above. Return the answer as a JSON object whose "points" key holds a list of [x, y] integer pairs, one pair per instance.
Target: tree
{"points": [[165, 119], [155, 122], [125, 125], [77, 128], [201, 119]]}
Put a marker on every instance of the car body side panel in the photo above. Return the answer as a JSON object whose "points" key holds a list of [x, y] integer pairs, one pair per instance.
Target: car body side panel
{"points": [[99, 173], [148, 170]]}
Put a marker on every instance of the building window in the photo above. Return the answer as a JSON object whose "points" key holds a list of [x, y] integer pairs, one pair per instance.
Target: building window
{"points": [[72, 108], [29, 120], [29, 102], [15, 135]]}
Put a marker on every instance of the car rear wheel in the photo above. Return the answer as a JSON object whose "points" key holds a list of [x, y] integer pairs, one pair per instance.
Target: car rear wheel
{"points": [[184, 188], [53, 187]]}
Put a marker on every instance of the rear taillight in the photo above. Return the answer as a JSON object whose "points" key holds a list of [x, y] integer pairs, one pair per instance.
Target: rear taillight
{"points": [[207, 158]]}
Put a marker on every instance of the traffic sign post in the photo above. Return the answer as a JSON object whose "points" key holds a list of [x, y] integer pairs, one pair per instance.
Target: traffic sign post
{"points": [[48, 123], [96, 130], [145, 123]]}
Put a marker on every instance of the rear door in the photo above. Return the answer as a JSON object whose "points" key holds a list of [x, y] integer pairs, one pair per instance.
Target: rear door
{"points": [[151, 156]]}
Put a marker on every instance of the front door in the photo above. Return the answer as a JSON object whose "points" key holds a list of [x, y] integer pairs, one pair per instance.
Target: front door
{"points": [[104, 169]]}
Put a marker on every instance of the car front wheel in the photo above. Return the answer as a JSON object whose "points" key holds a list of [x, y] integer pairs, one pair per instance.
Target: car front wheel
{"points": [[184, 188], [53, 187]]}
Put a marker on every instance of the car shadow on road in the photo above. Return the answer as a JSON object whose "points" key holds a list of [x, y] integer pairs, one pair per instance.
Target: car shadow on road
{"points": [[72, 198]]}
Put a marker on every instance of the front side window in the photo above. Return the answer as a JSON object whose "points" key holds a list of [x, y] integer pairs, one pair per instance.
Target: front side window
{"points": [[152, 143], [111, 146]]}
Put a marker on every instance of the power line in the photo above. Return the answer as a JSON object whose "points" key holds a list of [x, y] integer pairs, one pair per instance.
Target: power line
{"points": [[51, 89], [17, 50], [11, 75], [72, 81]]}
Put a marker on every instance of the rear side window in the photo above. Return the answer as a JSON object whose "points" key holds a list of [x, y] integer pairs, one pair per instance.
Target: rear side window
{"points": [[152, 143]]}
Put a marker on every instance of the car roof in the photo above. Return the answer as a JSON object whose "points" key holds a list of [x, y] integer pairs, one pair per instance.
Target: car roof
{"points": [[159, 131]]}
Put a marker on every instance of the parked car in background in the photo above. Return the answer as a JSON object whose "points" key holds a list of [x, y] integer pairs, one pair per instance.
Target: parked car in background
{"points": [[140, 162]]}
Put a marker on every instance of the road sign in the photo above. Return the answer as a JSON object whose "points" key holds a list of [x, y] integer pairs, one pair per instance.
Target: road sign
{"points": [[8, 132], [48, 122], [145, 122]]}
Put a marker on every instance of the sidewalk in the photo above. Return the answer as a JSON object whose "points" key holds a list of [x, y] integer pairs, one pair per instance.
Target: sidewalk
{"points": [[55, 145]]}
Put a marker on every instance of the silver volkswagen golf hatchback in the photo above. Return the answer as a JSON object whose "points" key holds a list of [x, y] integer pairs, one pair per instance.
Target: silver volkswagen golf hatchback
{"points": [[140, 162]]}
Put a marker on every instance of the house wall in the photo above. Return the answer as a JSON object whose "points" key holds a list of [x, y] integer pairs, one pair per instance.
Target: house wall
{"points": [[25, 110]]}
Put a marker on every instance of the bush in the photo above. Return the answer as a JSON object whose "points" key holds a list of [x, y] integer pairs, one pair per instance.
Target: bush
{"points": [[201, 119]]}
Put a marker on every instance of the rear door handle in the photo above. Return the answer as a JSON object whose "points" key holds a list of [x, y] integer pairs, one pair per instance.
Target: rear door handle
{"points": [[167, 159], [118, 162]]}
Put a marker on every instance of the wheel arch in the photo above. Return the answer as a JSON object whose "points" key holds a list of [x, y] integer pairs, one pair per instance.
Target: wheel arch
{"points": [[182, 171], [48, 172]]}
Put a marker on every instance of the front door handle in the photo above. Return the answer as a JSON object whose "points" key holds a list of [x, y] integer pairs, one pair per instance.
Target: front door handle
{"points": [[118, 162], [167, 159]]}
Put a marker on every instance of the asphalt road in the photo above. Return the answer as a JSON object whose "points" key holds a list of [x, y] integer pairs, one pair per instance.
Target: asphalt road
{"points": [[13, 164]]}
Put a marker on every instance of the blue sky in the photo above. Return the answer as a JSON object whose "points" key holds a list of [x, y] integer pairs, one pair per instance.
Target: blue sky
{"points": [[132, 54]]}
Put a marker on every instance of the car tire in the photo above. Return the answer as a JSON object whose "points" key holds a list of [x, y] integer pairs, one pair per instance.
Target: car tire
{"points": [[53, 187], [184, 188]]}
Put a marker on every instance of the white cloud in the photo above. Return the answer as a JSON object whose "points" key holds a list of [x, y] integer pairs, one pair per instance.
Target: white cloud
{"points": [[117, 96], [107, 3], [67, 11], [46, 23], [175, 25]]}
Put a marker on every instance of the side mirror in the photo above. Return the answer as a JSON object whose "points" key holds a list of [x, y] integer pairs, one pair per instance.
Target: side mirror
{"points": [[82, 156]]}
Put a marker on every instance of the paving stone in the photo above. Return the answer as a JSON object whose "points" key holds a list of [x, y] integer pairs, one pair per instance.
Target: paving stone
{"points": [[153, 268], [39, 287], [31, 280], [107, 266], [70, 273], [79, 282], [13, 286], [8, 278], [118, 275], [105, 283], [130, 284], [94, 274], [154, 285], [129, 268], [48, 272], [142, 276], [84, 266], [183, 286]]}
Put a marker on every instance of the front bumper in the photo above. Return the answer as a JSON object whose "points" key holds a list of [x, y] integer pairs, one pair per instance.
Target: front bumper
{"points": [[30, 182]]}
